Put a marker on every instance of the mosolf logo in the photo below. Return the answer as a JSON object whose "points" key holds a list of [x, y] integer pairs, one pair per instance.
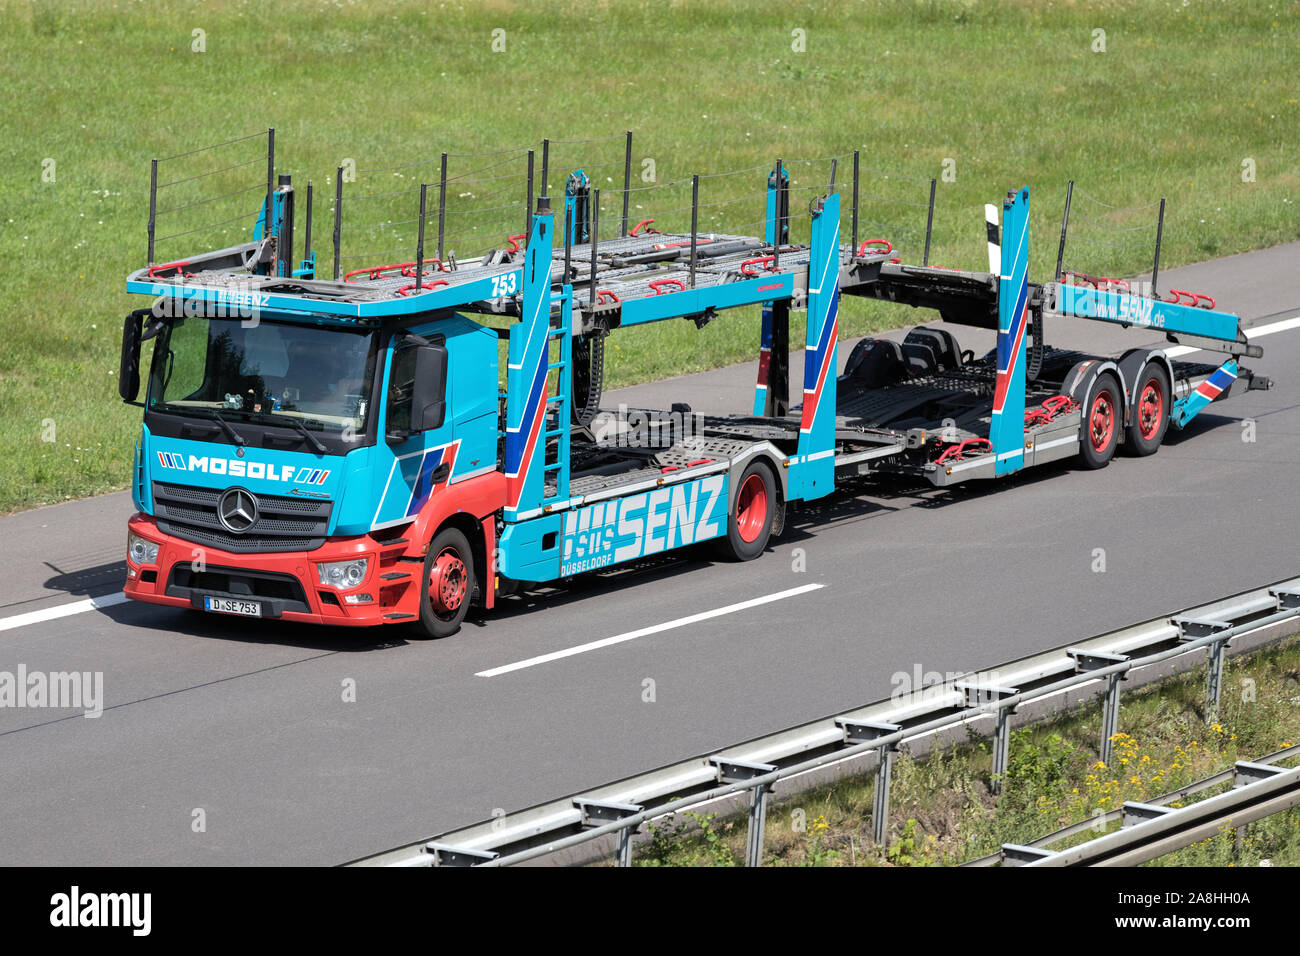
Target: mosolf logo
{"points": [[233, 468], [74, 908]]}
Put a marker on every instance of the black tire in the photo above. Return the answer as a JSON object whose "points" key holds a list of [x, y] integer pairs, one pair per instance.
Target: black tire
{"points": [[752, 513], [456, 578], [1150, 413], [1101, 422]]}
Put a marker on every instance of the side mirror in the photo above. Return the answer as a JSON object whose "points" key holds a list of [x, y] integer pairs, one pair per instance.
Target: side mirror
{"points": [[429, 391], [128, 380], [417, 393]]}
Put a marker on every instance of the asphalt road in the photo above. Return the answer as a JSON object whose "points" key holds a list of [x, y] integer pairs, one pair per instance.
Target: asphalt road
{"points": [[247, 722]]}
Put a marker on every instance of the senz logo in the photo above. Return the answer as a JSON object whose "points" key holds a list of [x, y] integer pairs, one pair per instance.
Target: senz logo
{"points": [[234, 468], [641, 525]]}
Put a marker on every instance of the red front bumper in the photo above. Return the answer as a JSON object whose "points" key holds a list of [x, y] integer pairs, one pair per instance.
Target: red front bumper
{"points": [[289, 588]]}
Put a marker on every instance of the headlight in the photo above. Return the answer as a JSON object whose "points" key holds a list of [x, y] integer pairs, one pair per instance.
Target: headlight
{"points": [[141, 550], [342, 574]]}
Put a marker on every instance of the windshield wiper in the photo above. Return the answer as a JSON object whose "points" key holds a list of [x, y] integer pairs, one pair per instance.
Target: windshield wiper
{"points": [[312, 440], [233, 435]]}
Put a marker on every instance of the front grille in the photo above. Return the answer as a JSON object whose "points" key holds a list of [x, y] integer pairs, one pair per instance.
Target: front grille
{"points": [[280, 592], [283, 524]]}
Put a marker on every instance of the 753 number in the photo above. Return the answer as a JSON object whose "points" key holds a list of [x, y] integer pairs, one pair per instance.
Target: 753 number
{"points": [[505, 284]]}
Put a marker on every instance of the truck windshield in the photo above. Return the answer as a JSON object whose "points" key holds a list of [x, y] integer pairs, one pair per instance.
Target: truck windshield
{"points": [[304, 375]]}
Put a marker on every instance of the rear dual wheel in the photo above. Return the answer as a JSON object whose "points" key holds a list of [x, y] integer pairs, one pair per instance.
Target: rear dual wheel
{"points": [[1150, 418], [1101, 421]]}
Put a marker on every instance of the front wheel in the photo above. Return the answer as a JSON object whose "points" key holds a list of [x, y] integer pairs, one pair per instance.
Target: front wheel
{"points": [[753, 513], [447, 584]]}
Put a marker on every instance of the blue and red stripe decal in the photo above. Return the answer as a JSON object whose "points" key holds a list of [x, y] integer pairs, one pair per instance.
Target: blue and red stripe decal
{"points": [[817, 366]]}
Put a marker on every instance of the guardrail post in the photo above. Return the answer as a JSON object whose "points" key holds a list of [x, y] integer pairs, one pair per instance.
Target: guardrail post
{"points": [[598, 812], [757, 825], [1214, 680], [446, 854], [1085, 661], [859, 731], [1189, 630], [731, 770], [977, 694]]}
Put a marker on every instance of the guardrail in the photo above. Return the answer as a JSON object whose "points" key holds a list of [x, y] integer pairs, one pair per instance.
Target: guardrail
{"points": [[755, 767], [1153, 828]]}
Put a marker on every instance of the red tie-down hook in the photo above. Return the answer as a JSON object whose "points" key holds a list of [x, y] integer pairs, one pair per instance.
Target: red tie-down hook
{"points": [[745, 266], [408, 268], [1193, 298], [636, 230], [155, 272], [428, 288], [604, 295], [1100, 283], [889, 247], [959, 451], [1047, 412], [512, 242], [659, 283]]}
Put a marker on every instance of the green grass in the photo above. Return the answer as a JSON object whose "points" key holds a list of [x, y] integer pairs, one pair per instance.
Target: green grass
{"points": [[1010, 91], [942, 811]]}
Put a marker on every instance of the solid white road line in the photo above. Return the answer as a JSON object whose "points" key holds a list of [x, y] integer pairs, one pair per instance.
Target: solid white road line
{"points": [[1251, 334], [652, 629], [61, 610]]}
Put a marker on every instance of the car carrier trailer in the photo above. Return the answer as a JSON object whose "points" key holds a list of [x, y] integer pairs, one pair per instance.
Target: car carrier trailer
{"points": [[340, 451]]}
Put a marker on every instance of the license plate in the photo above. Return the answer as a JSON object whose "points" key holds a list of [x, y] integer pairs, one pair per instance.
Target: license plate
{"points": [[232, 606]]}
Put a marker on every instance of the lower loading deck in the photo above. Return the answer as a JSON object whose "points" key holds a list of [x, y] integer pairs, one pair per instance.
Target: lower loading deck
{"points": [[933, 425]]}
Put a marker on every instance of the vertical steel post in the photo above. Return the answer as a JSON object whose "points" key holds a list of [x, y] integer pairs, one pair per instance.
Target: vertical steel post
{"points": [[306, 239], [528, 207], [624, 855], [880, 798], [1109, 718], [777, 235], [1065, 225], [757, 825], [270, 183], [595, 234], [627, 182], [442, 209], [695, 222], [854, 240], [1001, 747], [1214, 680], [153, 204], [568, 243], [831, 188], [419, 242], [929, 225], [1155, 266], [546, 166], [338, 218]]}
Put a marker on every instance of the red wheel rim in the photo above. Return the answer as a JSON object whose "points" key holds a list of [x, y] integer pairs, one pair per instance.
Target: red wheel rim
{"points": [[448, 582], [1151, 409], [1101, 421], [751, 508]]}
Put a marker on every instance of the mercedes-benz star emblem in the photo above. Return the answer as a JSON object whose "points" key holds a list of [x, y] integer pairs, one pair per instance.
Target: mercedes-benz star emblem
{"points": [[237, 510]]}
